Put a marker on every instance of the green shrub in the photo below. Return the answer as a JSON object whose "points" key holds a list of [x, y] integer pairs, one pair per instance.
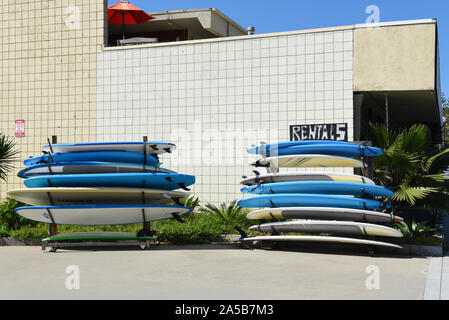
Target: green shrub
{"points": [[11, 220], [413, 229], [30, 232]]}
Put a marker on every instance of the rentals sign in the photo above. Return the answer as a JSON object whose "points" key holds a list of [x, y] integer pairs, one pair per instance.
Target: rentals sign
{"points": [[330, 131]]}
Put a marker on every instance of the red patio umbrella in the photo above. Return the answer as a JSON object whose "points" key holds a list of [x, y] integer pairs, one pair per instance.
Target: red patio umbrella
{"points": [[124, 12]]}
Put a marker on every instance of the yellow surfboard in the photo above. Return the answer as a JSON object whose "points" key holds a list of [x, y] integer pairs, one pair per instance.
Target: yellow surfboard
{"points": [[73, 196], [307, 161], [326, 213]]}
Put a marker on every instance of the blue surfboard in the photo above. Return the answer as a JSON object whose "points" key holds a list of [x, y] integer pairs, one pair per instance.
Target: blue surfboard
{"points": [[320, 187], [164, 181], [86, 167], [262, 148], [123, 156], [335, 149], [309, 200]]}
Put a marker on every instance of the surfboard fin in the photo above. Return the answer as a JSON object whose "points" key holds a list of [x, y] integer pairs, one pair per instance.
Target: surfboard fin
{"points": [[177, 217], [168, 150], [257, 173], [154, 147], [258, 164]]}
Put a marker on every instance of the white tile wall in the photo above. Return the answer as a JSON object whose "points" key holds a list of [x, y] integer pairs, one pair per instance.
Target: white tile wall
{"points": [[214, 99]]}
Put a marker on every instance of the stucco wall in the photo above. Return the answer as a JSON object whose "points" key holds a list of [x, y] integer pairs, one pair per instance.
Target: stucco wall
{"points": [[389, 58]]}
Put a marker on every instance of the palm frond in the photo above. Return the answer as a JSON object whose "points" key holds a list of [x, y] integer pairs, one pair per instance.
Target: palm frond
{"points": [[381, 136], [439, 162], [415, 139], [7, 156], [410, 195], [434, 202]]}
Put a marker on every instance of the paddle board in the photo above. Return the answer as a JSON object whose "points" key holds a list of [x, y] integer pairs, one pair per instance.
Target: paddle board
{"points": [[122, 156], [308, 200], [164, 181], [322, 239], [97, 236], [337, 149], [320, 187], [324, 213], [297, 176], [307, 161], [86, 167], [151, 147], [89, 215], [337, 227], [73, 196]]}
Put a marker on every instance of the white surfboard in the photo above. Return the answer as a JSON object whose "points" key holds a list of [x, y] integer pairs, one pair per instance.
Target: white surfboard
{"points": [[322, 239], [299, 176], [325, 226], [151, 147], [307, 161], [100, 214], [72, 196], [324, 213]]}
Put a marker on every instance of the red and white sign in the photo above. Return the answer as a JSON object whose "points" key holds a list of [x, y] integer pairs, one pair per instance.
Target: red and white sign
{"points": [[19, 128]]}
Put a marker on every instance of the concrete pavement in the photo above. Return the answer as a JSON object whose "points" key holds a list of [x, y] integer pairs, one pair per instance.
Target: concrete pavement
{"points": [[206, 272], [437, 284]]}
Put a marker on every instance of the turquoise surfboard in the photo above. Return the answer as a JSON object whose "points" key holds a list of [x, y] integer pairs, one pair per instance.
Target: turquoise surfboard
{"points": [[309, 200], [122, 156], [337, 149], [164, 181]]}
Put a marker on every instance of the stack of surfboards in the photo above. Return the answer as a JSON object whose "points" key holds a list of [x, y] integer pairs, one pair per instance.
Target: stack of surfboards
{"points": [[101, 184], [347, 208]]}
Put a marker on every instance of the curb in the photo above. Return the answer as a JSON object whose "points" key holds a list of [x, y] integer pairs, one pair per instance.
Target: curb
{"points": [[8, 241], [408, 249]]}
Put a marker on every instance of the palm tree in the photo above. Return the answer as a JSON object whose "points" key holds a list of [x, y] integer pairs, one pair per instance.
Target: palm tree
{"points": [[7, 156], [411, 166], [231, 214]]}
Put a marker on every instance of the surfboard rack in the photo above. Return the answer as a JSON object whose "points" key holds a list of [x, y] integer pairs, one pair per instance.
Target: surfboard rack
{"points": [[145, 138], [177, 217], [55, 245], [243, 234]]}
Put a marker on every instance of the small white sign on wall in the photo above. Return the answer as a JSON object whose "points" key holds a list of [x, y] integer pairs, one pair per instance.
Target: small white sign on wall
{"points": [[19, 128]]}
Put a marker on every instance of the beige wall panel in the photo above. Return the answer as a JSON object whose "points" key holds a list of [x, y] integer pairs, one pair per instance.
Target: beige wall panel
{"points": [[394, 58]]}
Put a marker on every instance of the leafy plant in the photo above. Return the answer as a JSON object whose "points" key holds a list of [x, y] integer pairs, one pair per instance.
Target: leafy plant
{"points": [[11, 220], [191, 201], [231, 214], [412, 167], [415, 229], [7, 155]]}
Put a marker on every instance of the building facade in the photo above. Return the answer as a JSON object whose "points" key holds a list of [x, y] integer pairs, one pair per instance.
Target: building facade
{"points": [[214, 96]]}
